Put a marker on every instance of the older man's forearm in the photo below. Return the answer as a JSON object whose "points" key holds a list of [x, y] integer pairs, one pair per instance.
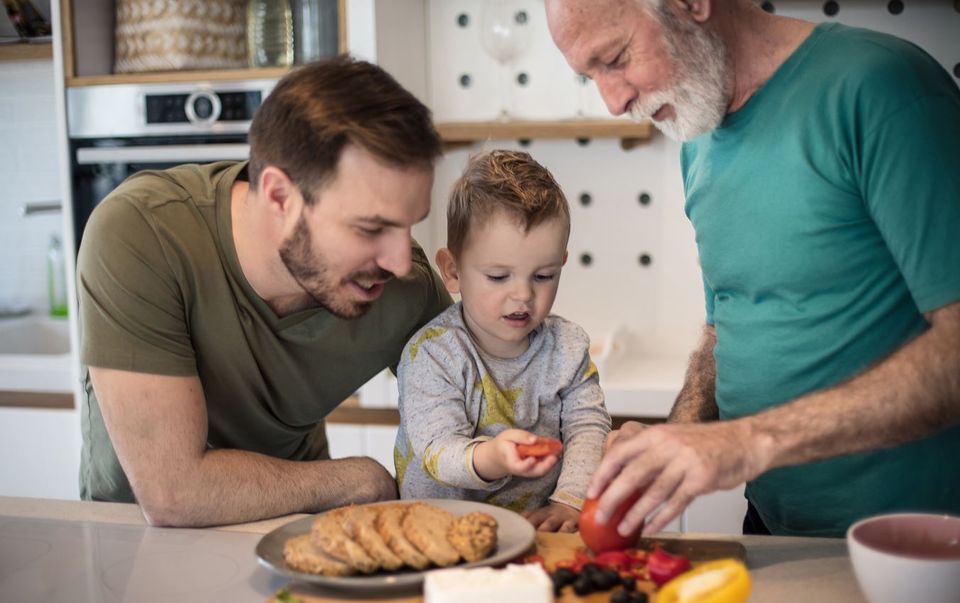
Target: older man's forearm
{"points": [[697, 402], [913, 393]]}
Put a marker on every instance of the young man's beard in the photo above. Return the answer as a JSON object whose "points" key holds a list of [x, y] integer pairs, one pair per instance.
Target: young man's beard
{"points": [[313, 275], [701, 92]]}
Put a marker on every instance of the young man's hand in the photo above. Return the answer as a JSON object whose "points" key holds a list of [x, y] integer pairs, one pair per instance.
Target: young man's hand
{"points": [[498, 457], [555, 517]]}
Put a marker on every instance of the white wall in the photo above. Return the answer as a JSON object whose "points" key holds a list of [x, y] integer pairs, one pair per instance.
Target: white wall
{"points": [[29, 173]]}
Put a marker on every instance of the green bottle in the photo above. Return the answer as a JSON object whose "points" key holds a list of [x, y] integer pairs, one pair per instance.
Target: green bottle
{"points": [[56, 278]]}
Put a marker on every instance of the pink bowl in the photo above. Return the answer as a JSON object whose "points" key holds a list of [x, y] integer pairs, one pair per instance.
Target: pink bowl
{"points": [[913, 557]]}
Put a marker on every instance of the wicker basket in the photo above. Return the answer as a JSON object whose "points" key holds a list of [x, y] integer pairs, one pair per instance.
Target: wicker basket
{"points": [[168, 35]]}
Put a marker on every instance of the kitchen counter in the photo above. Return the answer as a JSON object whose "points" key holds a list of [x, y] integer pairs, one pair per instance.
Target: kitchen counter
{"points": [[55, 550]]}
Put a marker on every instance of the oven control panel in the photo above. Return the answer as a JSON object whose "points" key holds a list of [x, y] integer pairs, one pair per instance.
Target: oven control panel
{"points": [[201, 107]]}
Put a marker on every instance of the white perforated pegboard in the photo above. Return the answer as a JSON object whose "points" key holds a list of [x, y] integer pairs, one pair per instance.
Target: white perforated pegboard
{"points": [[466, 84], [661, 303]]}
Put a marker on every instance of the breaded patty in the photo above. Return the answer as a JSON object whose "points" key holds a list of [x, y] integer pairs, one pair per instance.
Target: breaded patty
{"points": [[303, 555], [330, 536], [389, 525], [360, 523], [426, 527], [474, 535]]}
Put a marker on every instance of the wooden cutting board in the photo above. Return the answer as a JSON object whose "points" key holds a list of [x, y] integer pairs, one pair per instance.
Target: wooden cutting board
{"points": [[554, 547]]}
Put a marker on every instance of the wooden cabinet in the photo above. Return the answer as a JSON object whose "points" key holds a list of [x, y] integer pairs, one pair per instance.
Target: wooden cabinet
{"points": [[88, 38]]}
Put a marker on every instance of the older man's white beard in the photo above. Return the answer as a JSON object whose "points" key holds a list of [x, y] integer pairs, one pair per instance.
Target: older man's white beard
{"points": [[701, 95]]}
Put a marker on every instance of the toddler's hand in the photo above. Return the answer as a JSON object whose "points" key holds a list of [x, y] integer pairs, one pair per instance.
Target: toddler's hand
{"points": [[498, 457], [555, 517]]}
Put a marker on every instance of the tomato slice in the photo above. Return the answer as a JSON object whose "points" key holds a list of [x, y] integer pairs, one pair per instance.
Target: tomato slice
{"points": [[663, 566], [541, 448]]}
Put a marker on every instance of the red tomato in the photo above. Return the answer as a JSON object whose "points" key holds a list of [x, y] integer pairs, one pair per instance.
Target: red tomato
{"points": [[541, 448], [600, 538]]}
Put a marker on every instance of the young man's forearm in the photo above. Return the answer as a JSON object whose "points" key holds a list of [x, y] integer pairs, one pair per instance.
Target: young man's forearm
{"points": [[696, 402], [911, 394], [234, 486]]}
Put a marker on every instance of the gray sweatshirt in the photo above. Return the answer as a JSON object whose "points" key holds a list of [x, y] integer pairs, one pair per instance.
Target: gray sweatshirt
{"points": [[453, 396]]}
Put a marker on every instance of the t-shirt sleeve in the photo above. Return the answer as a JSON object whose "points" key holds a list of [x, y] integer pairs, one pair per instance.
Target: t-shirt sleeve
{"points": [[910, 178], [709, 301], [131, 308], [584, 424]]}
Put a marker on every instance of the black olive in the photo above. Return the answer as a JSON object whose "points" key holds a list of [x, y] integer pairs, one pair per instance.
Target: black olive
{"points": [[564, 576], [621, 596], [583, 585], [629, 583], [607, 579], [590, 568], [638, 597]]}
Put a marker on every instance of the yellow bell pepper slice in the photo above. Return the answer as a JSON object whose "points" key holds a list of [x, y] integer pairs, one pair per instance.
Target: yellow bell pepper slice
{"points": [[720, 581]]}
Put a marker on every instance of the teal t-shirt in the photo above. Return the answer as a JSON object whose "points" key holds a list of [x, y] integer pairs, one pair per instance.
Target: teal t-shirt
{"points": [[827, 217]]}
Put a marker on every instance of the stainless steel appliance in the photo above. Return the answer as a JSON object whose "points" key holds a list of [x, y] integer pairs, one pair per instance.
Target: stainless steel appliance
{"points": [[117, 130]]}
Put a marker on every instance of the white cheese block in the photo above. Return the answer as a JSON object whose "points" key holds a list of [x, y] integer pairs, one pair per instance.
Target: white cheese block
{"points": [[515, 583]]}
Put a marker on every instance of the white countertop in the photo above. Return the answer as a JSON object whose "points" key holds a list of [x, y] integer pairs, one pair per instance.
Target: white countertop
{"points": [[119, 558]]}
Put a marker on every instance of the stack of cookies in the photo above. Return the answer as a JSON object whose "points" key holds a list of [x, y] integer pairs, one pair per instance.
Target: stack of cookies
{"points": [[363, 539]]}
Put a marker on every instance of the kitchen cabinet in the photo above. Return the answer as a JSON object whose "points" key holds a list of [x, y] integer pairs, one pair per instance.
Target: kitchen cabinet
{"points": [[88, 39], [39, 448]]}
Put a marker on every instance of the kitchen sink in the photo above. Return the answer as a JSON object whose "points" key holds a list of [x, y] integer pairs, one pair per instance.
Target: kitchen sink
{"points": [[35, 354], [34, 335]]}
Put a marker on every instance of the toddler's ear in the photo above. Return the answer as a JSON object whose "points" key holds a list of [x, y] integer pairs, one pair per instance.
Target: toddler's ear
{"points": [[447, 265], [566, 254]]}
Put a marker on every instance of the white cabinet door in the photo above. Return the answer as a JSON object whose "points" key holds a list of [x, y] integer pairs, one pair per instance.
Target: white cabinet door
{"points": [[345, 440], [40, 449], [720, 512], [378, 444]]}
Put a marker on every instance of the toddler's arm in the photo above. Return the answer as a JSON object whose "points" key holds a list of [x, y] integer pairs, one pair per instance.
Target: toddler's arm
{"points": [[585, 423]]}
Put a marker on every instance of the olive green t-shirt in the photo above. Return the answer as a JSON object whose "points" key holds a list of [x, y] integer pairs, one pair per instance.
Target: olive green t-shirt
{"points": [[161, 291], [827, 212]]}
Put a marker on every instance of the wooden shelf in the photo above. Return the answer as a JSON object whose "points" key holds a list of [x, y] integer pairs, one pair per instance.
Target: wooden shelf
{"points": [[166, 77], [465, 132], [25, 51]]}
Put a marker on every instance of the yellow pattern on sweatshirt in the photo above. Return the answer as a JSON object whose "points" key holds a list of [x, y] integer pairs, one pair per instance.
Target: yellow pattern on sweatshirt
{"points": [[499, 406], [428, 334]]}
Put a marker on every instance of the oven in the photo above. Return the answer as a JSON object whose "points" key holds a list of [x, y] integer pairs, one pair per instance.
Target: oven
{"points": [[117, 130]]}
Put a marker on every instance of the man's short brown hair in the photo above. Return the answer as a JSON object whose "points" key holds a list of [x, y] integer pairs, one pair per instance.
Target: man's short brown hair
{"points": [[316, 110], [505, 181]]}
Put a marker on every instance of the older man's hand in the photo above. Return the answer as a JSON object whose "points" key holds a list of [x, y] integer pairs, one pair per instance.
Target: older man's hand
{"points": [[626, 431], [673, 464]]}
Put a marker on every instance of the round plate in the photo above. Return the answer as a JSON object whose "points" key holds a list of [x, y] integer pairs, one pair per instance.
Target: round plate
{"points": [[514, 536]]}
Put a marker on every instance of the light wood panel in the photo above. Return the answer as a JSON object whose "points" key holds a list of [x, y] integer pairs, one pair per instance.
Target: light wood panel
{"points": [[23, 51]]}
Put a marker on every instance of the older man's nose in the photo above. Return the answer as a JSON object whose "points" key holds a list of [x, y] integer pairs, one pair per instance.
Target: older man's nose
{"points": [[616, 93]]}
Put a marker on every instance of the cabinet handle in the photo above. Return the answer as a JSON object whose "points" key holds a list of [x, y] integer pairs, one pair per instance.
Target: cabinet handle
{"points": [[40, 207]]}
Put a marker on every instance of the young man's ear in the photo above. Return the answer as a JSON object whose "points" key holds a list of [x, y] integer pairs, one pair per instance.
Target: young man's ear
{"points": [[279, 193], [447, 265]]}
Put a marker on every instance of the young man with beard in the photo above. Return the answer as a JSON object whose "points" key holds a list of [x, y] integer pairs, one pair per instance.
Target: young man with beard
{"points": [[225, 309], [820, 170]]}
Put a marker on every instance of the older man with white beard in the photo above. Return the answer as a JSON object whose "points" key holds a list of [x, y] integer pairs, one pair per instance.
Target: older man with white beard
{"points": [[821, 166]]}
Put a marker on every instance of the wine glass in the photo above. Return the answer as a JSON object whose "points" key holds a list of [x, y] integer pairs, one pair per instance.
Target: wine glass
{"points": [[505, 36]]}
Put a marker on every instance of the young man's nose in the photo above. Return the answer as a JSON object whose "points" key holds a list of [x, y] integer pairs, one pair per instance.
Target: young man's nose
{"points": [[395, 256], [616, 92]]}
